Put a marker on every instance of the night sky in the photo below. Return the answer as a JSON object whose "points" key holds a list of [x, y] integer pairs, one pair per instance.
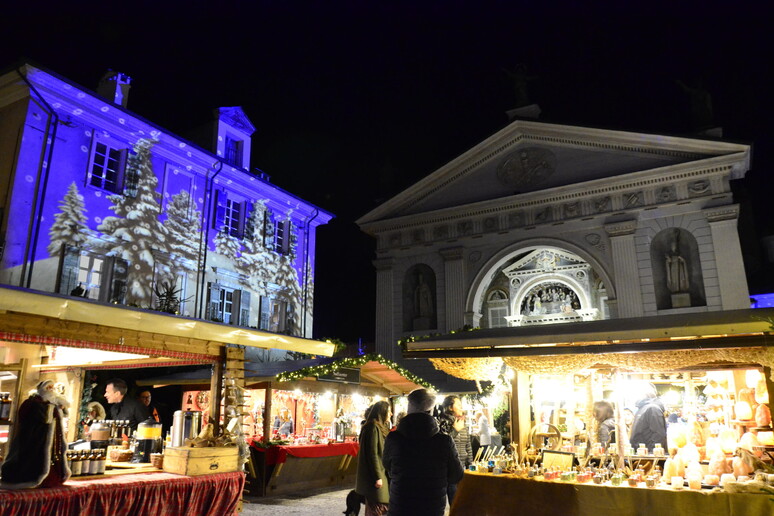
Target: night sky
{"points": [[355, 101]]}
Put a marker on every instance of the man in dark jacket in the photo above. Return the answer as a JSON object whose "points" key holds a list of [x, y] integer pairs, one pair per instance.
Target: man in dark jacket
{"points": [[649, 425], [420, 461], [123, 407]]}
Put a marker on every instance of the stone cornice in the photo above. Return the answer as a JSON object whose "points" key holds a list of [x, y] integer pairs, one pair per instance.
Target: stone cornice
{"points": [[452, 253], [721, 213], [383, 264], [623, 228]]}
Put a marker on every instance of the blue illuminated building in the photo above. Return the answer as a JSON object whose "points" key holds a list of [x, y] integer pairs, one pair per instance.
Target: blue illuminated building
{"points": [[97, 202]]}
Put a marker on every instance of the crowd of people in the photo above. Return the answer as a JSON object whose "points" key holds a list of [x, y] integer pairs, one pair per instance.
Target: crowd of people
{"points": [[415, 466]]}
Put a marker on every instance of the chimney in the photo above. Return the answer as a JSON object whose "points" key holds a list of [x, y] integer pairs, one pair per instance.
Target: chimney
{"points": [[114, 86]]}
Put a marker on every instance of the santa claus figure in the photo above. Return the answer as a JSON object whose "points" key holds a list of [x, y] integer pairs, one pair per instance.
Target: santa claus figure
{"points": [[36, 457]]}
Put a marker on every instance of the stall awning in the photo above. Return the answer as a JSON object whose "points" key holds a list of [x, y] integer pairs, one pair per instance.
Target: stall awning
{"points": [[373, 368], [706, 330], [31, 316], [667, 342]]}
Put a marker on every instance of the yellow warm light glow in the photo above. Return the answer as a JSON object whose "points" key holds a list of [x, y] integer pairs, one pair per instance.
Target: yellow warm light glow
{"points": [[64, 356]]}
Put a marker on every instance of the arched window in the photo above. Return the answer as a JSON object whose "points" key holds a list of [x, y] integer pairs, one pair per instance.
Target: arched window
{"points": [[497, 309]]}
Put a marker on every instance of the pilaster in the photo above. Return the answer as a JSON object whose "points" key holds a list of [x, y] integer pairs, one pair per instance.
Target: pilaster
{"points": [[734, 293], [385, 309], [625, 272], [454, 295]]}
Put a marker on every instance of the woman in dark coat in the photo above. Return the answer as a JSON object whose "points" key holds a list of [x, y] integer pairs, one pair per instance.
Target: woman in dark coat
{"points": [[451, 421], [371, 477]]}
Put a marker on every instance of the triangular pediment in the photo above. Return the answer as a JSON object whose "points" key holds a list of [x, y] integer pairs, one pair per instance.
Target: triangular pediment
{"points": [[528, 157], [236, 118], [544, 259]]}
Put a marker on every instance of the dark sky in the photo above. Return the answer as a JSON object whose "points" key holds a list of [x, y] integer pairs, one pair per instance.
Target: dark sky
{"points": [[355, 101]]}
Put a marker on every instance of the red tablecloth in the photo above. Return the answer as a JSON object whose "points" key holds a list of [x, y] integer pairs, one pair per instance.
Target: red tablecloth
{"points": [[275, 454], [158, 494]]}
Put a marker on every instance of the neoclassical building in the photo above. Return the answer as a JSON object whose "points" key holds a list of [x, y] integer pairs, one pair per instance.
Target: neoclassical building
{"points": [[546, 224]]}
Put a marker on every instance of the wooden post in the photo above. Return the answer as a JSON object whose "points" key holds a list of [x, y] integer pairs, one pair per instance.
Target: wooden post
{"points": [[216, 389], [769, 387], [267, 421], [520, 409]]}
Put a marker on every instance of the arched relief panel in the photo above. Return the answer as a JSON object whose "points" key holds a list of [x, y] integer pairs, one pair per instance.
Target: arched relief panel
{"points": [[677, 272], [549, 306], [490, 268], [419, 299]]}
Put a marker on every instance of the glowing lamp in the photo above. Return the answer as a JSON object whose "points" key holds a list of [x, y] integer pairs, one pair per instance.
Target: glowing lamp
{"points": [[743, 411]]}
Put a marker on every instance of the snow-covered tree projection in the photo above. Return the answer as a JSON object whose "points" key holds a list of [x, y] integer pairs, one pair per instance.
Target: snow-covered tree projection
{"points": [[135, 232], [227, 245], [183, 226], [69, 227], [258, 263]]}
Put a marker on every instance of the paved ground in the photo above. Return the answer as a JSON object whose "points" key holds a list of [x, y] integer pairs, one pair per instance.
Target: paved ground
{"points": [[324, 502]]}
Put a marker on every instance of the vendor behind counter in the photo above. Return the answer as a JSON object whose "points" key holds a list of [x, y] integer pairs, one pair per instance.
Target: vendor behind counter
{"points": [[123, 407]]}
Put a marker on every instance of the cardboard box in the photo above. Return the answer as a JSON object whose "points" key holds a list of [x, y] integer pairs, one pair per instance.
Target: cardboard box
{"points": [[185, 460]]}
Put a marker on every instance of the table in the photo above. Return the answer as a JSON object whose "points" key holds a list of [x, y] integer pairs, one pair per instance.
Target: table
{"points": [[292, 469], [151, 494], [494, 495]]}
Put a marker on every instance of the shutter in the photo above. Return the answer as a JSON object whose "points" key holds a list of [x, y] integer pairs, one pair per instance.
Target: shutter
{"points": [[265, 316], [213, 302], [248, 228], [236, 305], [220, 201], [289, 317], [118, 287], [244, 308], [68, 269], [130, 175]]}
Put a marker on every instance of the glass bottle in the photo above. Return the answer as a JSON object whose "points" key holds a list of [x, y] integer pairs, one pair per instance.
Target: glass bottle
{"points": [[75, 464], [85, 463]]}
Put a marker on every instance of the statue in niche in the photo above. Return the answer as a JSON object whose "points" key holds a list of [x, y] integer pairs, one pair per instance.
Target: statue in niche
{"points": [[423, 299], [676, 269], [520, 80]]}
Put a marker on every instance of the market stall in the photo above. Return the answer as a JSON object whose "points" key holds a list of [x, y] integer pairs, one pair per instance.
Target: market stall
{"points": [[57, 338], [305, 415], [712, 372]]}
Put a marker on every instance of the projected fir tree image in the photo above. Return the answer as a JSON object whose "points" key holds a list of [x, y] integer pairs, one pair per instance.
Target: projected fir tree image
{"points": [[136, 232], [183, 227], [257, 264], [69, 228]]}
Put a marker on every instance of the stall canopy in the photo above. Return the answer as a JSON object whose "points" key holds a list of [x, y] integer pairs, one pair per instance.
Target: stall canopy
{"points": [[44, 318], [373, 369], [664, 342]]}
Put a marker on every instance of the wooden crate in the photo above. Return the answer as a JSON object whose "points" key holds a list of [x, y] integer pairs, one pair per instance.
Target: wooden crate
{"points": [[189, 461]]}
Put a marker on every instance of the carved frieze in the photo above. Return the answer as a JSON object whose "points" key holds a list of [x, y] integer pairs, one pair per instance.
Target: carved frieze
{"points": [[596, 240], [572, 210], [666, 194], [543, 215], [417, 236], [490, 224], [394, 240], [526, 167], [633, 200], [465, 228], [516, 219], [603, 204], [440, 232], [700, 187]]}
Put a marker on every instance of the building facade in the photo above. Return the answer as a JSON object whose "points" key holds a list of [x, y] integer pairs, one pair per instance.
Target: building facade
{"points": [[545, 224], [101, 204]]}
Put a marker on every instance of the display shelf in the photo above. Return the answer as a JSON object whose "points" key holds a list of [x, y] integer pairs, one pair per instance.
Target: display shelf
{"points": [[13, 375]]}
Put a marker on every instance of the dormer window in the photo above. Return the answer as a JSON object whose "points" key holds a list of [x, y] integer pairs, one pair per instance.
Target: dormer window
{"points": [[234, 151]]}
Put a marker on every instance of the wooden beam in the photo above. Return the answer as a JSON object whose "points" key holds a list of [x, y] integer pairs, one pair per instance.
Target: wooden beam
{"points": [[216, 389]]}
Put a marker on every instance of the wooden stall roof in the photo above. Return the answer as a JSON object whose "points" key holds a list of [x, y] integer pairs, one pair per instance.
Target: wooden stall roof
{"points": [[706, 330], [373, 368], [37, 317]]}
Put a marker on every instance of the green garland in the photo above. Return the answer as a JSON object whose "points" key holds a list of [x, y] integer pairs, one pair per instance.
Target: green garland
{"points": [[351, 362]]}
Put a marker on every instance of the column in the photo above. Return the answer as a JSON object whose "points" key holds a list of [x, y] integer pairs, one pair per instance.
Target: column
{"points": [[732, 281], [385, 306], [625, 269], [454, 293]]}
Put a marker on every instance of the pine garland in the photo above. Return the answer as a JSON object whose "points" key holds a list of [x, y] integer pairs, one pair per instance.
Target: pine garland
{"points": [[352, 362]]}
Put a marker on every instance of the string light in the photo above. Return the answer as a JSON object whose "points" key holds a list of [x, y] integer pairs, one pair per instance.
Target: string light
{"points": [[326, 369]]}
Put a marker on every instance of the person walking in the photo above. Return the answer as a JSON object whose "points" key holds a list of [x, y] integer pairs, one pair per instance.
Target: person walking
{"points": [[420, 461], [649, 426], [371, 480], [451, 421]]}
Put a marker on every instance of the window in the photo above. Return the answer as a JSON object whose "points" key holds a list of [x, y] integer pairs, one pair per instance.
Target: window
{"points": [[93, 276], [497, 311], [231, 221], [273, 315], [228, 305], [234, 152], [229, 214], [106, 168]]}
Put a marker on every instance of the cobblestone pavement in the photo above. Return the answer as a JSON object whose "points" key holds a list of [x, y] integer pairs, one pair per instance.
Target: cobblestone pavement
{"points": [[323, 502]]}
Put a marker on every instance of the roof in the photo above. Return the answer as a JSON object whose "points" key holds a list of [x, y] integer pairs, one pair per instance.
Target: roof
{"points": [[705, 330], [42, 309], [373, 368]]}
